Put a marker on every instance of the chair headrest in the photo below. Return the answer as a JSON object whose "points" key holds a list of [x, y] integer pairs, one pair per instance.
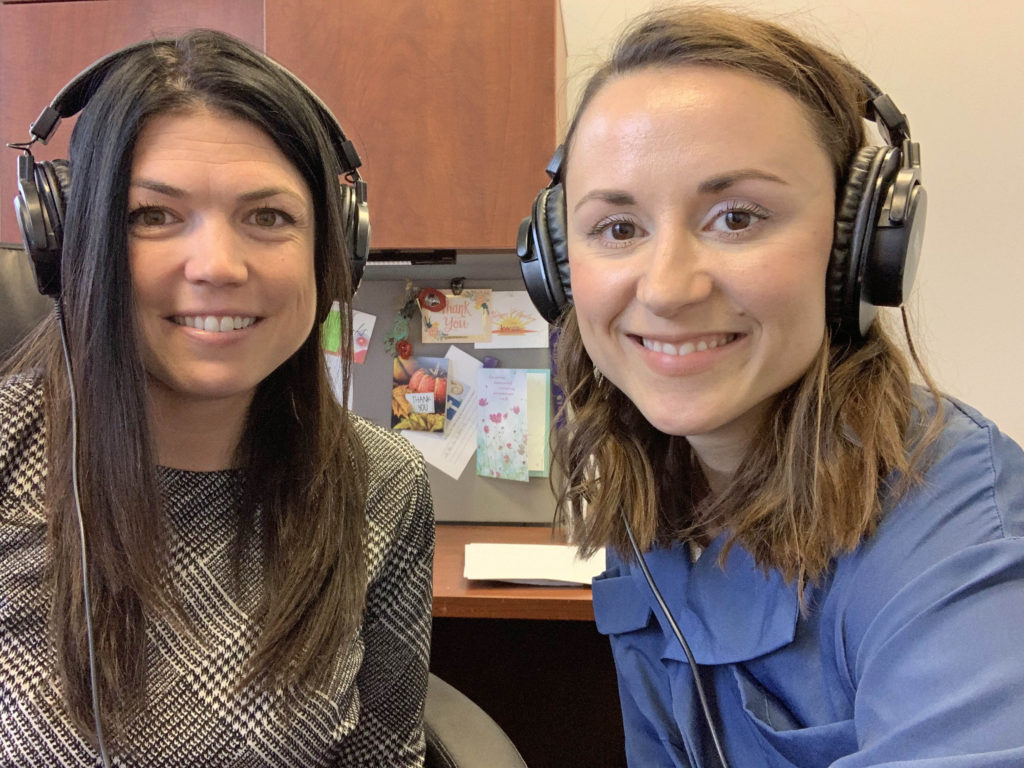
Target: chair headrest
{"points": [[21, 304]]}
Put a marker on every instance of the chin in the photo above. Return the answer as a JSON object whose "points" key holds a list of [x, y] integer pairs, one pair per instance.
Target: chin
{"points": [[691, 419]]}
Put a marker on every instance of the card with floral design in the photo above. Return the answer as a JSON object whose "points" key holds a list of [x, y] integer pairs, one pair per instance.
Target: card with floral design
{"points": [[501, 424]]}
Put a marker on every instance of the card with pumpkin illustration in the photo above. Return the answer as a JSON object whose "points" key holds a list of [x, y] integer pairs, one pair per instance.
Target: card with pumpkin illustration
{"points": [[419, 390]]}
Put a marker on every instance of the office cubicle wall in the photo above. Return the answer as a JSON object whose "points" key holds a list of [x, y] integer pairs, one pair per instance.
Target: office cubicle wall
{"points": [[470, 498]]}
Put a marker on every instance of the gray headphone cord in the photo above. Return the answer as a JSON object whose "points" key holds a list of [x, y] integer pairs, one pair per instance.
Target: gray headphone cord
{"points": [[87, 607], [705, 707]]}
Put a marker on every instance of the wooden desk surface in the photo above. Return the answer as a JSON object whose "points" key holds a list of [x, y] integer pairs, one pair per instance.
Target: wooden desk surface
{"points": [[457, 597]]}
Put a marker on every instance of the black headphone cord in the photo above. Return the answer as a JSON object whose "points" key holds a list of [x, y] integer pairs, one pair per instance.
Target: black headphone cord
{"points": [[87, 607], [704, 706]]}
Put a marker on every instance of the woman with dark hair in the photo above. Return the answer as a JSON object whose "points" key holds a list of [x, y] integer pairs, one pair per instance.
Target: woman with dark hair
{"points": [[259, 558], [840, 549]]}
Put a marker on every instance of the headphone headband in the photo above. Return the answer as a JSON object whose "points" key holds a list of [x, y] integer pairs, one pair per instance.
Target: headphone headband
{"points": [[72, 98]]}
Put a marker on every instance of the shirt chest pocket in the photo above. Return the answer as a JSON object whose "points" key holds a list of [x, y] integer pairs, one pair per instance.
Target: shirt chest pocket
{"points": [[786, 742]]}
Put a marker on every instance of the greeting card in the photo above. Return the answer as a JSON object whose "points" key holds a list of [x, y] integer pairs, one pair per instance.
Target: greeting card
{"points": [[452, 451], [501, 423], [513, 421], [362, 329], [515, 322], [463, 318], [330, 331], [418, 393]]}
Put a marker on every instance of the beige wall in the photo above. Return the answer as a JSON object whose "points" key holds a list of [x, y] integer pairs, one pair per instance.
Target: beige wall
{"points": [[956, 67]]}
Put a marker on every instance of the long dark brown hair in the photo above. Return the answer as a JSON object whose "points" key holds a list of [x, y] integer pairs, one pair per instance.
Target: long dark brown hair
{"points": [[812, 482], [304, 468]]}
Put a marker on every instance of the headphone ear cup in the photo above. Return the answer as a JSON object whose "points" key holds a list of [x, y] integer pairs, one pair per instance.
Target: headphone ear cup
{"points": [[43, 189], [843, 306], [543, 254], [896, 242], [355, 217], [55, 195]]}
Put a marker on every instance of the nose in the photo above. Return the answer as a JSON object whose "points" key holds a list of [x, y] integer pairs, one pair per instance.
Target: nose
{"points": [[215, 254], [675, 274]]}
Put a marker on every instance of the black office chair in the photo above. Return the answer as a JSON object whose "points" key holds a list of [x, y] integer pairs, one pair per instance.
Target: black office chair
{"points": [[461, 735], [21, 304]]}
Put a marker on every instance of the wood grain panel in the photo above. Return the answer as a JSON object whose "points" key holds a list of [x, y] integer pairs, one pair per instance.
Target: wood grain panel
{"points": [[454, 106], [456, 596], [44, 45]]}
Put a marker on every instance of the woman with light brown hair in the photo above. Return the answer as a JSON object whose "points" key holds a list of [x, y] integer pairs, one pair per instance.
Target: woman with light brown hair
{"points": [[827, 556]]}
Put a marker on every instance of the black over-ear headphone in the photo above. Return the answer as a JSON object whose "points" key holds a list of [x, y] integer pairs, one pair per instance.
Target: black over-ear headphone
{"points": [[879, 225], [44, 187]]}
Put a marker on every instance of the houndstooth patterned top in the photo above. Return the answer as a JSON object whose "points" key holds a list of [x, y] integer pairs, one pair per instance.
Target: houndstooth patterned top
{"points": [[368, 713]]}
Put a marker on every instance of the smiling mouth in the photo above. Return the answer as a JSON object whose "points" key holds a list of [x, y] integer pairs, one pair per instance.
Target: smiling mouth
{"points": [[213, 323], [689, 347]]}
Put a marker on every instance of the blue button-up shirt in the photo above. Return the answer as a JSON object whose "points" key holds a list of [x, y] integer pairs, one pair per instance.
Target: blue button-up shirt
{"points": [[910, 651]]}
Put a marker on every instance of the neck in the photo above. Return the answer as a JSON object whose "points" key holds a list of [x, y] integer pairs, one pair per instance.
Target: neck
{"points": [[196, 435], [719, 466], [721, 451]]}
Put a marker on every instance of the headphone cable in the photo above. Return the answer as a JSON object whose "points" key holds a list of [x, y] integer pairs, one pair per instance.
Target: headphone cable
{"points": [[87, 607], [704, 706]]}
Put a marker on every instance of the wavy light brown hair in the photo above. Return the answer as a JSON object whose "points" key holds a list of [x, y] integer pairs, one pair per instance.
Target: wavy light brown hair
{"points": [[303, 467], [812, 482]]}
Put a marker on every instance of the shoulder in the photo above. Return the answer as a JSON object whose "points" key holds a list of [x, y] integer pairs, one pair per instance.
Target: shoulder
{"points": [[959, 531], [971, 493], [390, 457], [399, 509], [975, 473], [19, 392], [22, 447]]}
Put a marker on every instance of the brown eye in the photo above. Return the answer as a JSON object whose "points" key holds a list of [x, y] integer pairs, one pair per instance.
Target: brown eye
{"points": [[148, 217], [736, 220], [266, 218], [623, 230]]}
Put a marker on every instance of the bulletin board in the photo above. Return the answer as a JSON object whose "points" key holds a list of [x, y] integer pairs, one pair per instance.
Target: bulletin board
{"points": [[470, 498]]}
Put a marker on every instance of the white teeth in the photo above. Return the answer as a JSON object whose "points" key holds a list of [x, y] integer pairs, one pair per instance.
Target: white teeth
{"points": [[214, 324], [689, 347]]}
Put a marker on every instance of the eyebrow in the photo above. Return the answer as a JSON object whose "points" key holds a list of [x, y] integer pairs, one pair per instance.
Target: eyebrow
{"points": [[719, 183], [158, 187], [710, 186], [613, 196], [171, 191]]}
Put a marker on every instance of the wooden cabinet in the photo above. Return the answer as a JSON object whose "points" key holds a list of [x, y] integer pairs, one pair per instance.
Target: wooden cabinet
{"points": [[43, 45], [454, 105]]}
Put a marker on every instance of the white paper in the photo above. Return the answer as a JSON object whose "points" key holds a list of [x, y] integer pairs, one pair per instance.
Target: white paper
{"points": [[451, 451], [542, 564]]}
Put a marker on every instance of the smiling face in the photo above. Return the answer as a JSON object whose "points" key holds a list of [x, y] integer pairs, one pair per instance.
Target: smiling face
{"points": [[221, 243], [700, 209]]}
